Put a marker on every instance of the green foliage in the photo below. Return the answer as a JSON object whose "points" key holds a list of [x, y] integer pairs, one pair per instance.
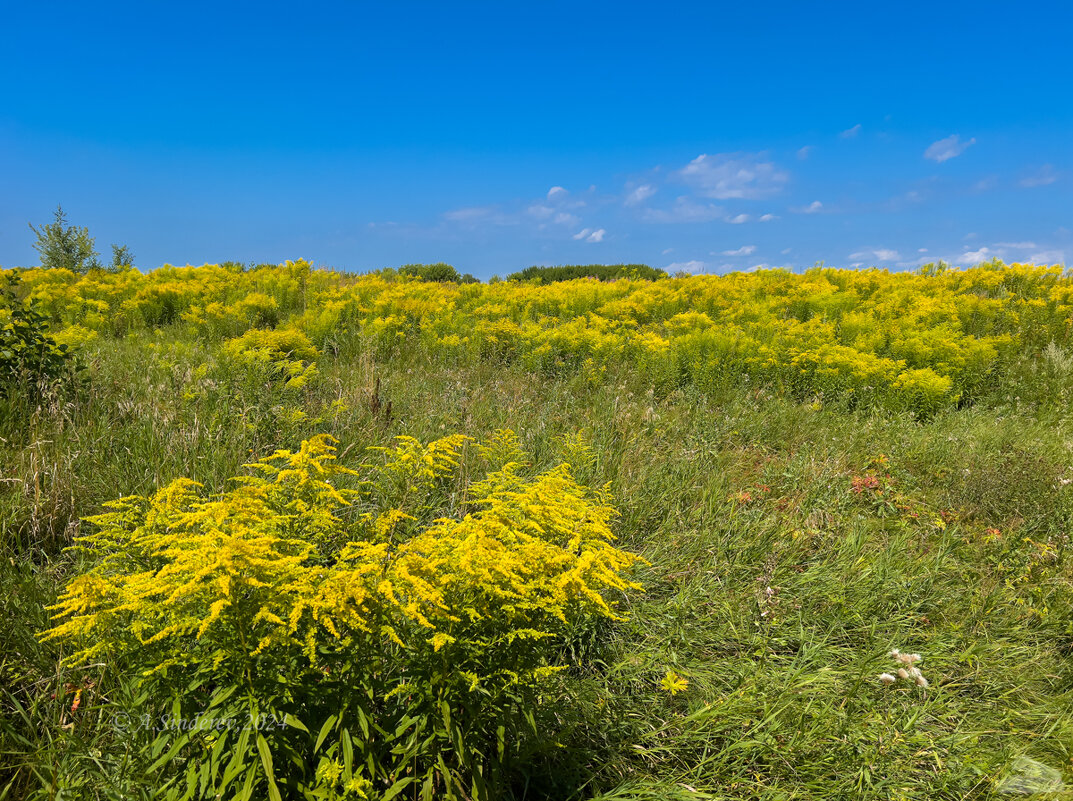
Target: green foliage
{"points": [[426, 649], [122, 257], [65, 247], [432, 272], [29, 356], [808, 496], [603, 272]]}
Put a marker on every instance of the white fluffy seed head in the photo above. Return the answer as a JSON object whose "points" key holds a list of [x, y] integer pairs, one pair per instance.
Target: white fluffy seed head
{"points": [[903, 673], [886, 678], [921, 681]]}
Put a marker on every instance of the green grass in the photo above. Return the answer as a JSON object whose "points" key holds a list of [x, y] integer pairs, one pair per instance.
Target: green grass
{"points": [[773, 586]]}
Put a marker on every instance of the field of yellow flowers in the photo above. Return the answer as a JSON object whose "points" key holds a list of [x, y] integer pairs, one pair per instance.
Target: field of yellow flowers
{"points": [[920, 341], [287, 533]]}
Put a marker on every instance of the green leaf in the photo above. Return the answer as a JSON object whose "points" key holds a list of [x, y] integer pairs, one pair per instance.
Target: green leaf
{"points": [[266, 763], [397, 788], [324, 730], [294, 723], [348, 750], [247, 788]]}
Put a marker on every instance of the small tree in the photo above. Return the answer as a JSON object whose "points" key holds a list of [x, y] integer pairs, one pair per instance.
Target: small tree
{"points": [[65, 246], [122, 258]]}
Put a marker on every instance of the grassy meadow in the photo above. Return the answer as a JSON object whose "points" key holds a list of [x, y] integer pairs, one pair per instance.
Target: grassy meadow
{"points": [[801, 473]]}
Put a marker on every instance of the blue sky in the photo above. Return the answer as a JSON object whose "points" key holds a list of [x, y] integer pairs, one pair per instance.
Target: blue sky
{"points": [[708, 137]]}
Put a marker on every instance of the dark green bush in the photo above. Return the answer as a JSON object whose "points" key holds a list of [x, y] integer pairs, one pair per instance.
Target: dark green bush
{"points": [[432, 272], [603, 272], [29, 357]]}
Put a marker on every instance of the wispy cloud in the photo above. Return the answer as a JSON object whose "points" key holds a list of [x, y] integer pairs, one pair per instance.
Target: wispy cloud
{"points": [[734, 175], [804, 152], [744, 250], [880, 254], [692, 266], [1041, 177], [590, 235], [1048, 257], [768, 217], [540, 211], [976, 256], [850, 133], [473, 215], [948, 148], [554, 209], [815, 207], [738, 219], [639, 194], [684, 210]]}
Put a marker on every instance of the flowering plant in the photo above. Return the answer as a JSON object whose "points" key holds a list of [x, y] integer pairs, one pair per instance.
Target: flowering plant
{"points": [[396, 654]]}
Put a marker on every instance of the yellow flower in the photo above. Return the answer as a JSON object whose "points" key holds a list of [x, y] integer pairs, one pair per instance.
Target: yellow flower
{"points": [[673, 683]]}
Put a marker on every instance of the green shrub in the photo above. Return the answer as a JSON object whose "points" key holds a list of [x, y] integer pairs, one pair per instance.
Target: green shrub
{"points": [[29, 356], [432, 272], [603, 272], [304, 638]]}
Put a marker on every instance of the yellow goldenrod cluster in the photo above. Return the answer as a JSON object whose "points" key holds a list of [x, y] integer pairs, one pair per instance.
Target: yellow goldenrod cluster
{"points": [[922, 341], [293, 558]]}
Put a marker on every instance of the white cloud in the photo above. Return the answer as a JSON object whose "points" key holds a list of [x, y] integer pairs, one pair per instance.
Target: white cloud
{"points": [[976, 256], [922, 250], [744, 250], [850, 133], [1017, 245], [1048, 257], [768, 217], [947, 148], [1041, 177], [880, 254], [640, 194], [540, 211], [684, 210], [914, 262], [470, 214], [474, 216], [668, 250], [693, 266], [738, 219], [556, 191], [734, 175], [815, 207], [804, 152], [589, 235]]}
